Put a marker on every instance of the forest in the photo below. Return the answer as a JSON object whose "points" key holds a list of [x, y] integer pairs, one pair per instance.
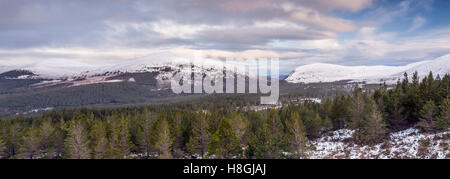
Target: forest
{"points": [[219, 129]]}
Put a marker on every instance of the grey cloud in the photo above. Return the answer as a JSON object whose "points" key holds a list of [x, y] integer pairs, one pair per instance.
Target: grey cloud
{"points": [[260, 36], [25, 23]]}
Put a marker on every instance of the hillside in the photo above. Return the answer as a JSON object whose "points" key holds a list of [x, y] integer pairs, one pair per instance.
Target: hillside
{"points": [[320, 72]]}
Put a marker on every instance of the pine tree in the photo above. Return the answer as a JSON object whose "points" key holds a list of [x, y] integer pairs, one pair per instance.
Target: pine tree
{"points": [[412, 102], [112, 150], [163, 140], [145, 135], [60, 134], [224, 142], [124, 144], [2, 149], [240, 128], [98, 140], [177, 129], [31, 144], [46, 135], [428, 116], [327, 125], [76, 143], [273, 135], [395, 109], [445, 87], [443, 122], [13, 139], [119, 145], [374, 126], [200, 137], [296, 129], [313, 123], [358, 110], [339, 112]]}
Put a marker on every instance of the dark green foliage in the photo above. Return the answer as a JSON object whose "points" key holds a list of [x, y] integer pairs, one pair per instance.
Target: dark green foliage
{"points": [[444, 116], [296, 133], [224, 142], [31, 144], [200, 137], [2, 149], [374, 126], [428, 117], [76, 143], [163, 142]]}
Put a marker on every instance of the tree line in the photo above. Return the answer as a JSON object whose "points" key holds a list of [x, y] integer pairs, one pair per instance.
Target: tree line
{"points": [[227, 131]]}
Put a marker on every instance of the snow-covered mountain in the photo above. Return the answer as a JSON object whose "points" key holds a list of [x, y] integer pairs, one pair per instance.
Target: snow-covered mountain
{"points": [[165, 64], [61, 68], [320, 72]]}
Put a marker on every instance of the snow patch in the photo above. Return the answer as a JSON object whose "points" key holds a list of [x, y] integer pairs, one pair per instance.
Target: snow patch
{"points": [[409, 143]]}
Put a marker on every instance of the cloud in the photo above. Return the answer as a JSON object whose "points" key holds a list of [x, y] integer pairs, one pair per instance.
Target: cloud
{"points": [[261, 35], [418, 22], [298, 31], [329, 5], [314, 18], [42, 23]]}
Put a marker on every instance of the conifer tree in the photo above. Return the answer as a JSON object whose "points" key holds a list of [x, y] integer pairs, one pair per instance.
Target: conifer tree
{"points": [[327, 125], [240, 128], [445, 87], [177, 129], [76, 143], [395, 109], [313, 123], [358, 110], [60, 134], [374, 126], [31, 144], [296, 129], [145, 135], [112, 150], [224, 142], [339, 112], [273, 135], [46, 135], [2, 149], [164, 141], [428, 116], [98, 140], [124, 143], [13, 139], [200, 137], [443, 122], [412, 102]]}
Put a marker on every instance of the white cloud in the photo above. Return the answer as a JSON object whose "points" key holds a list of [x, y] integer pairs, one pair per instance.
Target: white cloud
{"points": [[316, 19], [418, 22]]}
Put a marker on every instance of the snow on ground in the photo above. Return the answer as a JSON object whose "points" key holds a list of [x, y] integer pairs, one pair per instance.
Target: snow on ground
{"points": [[410, 143]]}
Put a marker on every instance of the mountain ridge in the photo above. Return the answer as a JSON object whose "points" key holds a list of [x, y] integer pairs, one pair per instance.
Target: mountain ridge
{"points": [[322, 72]]}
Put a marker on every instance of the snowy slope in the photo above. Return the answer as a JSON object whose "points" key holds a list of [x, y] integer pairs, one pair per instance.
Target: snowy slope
{"points": [[402, 144], [61, 68], [320, 72], [165, 64]]}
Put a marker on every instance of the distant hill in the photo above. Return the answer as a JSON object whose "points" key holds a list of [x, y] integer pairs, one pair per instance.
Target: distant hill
{"points": [[320, 72]]}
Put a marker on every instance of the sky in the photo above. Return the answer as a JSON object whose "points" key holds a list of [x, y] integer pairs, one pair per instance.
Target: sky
{"points": [[346, 32]]}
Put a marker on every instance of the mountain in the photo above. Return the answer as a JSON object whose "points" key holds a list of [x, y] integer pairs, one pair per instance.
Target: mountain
{"points": [[65, 84], [320, 72], [73, 73]]}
